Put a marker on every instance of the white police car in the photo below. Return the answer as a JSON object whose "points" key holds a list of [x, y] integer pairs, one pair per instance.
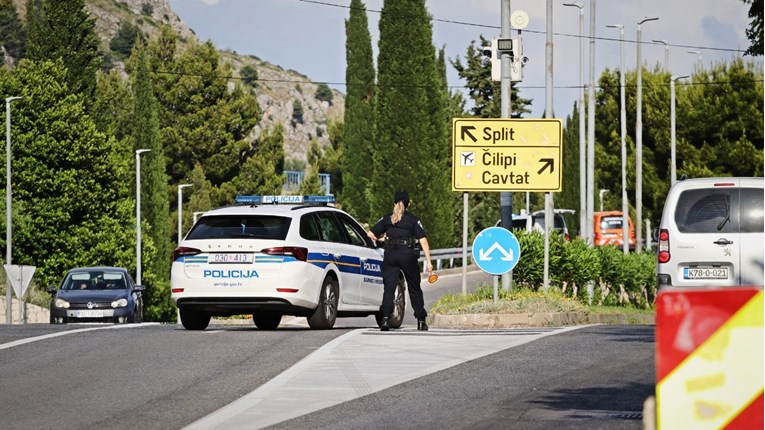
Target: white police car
{"points": [[271, 256]]}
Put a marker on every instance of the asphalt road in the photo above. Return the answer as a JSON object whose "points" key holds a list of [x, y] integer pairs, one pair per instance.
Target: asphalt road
{"points": [[163, 377]]}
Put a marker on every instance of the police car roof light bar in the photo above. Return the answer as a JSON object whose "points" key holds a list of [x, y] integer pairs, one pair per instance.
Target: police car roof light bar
{"points": [[281, 199]]}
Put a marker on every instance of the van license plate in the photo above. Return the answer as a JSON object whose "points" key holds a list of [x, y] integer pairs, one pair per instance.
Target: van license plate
{"points": [[706, 273]]}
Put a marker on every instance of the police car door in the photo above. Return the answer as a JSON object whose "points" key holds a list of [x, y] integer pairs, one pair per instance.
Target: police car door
{"points": [[344, 254], [371, 286]]}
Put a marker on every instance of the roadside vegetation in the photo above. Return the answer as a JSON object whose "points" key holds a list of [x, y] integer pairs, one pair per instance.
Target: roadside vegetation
{"points": [[599, 279]]}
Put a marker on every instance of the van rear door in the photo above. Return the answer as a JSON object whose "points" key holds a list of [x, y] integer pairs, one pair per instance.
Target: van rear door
{"points": [[716, 235]]}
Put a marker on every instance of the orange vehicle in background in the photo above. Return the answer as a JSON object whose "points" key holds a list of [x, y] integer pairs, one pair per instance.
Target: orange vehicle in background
{"points": [[608, 229]]}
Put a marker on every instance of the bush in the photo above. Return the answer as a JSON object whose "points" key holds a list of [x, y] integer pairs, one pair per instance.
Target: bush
{"points": [[619, 280], [324, 93]]}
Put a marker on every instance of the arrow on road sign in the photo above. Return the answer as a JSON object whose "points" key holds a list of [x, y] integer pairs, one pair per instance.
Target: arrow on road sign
{"points": [[465, 129], [485, 255], [548, 162]]}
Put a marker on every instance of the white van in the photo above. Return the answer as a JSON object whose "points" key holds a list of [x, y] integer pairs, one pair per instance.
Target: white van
{"points": [[711, 233]]}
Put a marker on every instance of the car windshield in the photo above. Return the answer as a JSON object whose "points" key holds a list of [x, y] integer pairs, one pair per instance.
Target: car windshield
{"points": [[240, 227], [95, 280]]}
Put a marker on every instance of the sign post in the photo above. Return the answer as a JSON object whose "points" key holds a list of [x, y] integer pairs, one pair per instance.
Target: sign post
{"points": [[20, 278], [496, 251]]}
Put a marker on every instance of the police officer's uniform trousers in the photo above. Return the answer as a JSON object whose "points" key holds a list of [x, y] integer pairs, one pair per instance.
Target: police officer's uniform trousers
{"points": [[401, 255], [397, 259]]}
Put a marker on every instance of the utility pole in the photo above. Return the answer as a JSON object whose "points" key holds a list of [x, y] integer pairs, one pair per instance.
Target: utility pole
{"points": [[506, 198]]}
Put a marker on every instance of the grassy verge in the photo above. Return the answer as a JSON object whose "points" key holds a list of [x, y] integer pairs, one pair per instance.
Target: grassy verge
{"points": [[481, 301]]}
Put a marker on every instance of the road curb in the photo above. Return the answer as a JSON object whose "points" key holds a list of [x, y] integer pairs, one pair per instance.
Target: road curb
{"points": [[541, 319]]}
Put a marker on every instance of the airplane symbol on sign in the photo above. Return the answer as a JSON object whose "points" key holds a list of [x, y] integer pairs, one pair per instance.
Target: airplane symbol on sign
{"points": [[486, 255], [468, 159]]}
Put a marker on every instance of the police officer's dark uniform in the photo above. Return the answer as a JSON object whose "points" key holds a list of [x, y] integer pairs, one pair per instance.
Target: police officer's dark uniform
{"points": [[401, 255]]}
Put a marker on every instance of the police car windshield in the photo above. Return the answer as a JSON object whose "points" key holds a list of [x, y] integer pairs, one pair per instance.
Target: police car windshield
{"points": [[240, 227]]}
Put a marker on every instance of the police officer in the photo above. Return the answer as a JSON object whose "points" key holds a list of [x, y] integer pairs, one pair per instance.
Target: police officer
{"points": [[401, 231]]}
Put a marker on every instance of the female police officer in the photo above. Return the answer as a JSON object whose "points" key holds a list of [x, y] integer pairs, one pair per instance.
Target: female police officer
{"points": [[401, 231]]}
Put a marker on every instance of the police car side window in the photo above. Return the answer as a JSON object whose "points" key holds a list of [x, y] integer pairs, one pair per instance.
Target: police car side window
{"points": [[309, 230], [356, 237], [330, 228]]}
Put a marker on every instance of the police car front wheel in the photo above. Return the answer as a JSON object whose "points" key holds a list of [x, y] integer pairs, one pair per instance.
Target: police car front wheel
{"points": [[266, 320], [194, 320]]}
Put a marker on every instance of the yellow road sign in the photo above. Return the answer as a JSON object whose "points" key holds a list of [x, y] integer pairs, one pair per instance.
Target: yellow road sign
{"points": [[503, 154]]}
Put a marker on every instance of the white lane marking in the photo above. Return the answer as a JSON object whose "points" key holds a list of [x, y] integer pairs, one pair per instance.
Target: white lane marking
{"points": [[322, 379], [62, 333]]}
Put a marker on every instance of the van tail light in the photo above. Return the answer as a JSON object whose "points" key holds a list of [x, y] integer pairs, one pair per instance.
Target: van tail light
{"points": [[597, 238], [293, 251], [567, 237], [184, 251], [664, 246]]}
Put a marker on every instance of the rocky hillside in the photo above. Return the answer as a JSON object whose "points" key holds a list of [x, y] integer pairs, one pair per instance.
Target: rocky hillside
{"points": [[277, 89]]}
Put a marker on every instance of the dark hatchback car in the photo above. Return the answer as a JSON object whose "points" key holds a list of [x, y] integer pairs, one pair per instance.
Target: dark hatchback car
{"points": [[97, 294]]}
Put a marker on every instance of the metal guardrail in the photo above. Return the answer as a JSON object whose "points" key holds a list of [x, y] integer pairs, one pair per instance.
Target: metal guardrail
{"points": [[446, 255]]}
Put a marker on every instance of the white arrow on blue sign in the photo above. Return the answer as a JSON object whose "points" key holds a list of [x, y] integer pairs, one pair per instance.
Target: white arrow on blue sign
{"points": [[496, 250]]}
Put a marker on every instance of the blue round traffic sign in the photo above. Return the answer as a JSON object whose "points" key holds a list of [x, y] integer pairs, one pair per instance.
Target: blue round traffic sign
{"points": [[496, 250]]}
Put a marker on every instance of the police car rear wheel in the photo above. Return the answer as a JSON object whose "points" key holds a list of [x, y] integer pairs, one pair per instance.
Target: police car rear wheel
{"points": [[266, 320], [194, 320], [326, 313]]}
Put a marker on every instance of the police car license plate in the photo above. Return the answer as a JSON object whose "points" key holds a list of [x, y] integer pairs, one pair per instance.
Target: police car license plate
{"points": [[230, 257], [705, 273]]}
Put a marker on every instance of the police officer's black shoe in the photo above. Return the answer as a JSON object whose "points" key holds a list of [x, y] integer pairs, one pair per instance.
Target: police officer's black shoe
{"points": [[385, 324], [422, 325]]}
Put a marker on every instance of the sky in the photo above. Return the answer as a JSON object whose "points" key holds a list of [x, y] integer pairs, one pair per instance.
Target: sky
{"points": [[308, 36]]}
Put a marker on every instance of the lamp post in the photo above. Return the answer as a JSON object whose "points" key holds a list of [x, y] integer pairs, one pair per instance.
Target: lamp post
{"points": [[623, 121], [8, 245], [666, 52], [600, 197], [672, 125], [639, 139], [582, 154], [180, 210], [138, 153], [698, 55], [591, 132]]}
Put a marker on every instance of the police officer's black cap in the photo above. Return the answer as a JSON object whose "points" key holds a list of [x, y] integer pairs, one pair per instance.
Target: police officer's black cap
{"points": [[401, 196]]}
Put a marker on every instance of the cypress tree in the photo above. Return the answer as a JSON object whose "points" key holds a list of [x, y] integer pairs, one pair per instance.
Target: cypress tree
{"points": [[358, 133], [12, 34], [63, 29], [410, 120], [154, 190]]}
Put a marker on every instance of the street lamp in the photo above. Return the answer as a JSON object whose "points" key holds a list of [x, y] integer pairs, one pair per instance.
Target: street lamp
{"points": [[639, 139], [180, 210], [672, 125], [138, 153], [666, 52], [698, 55], [582, 154], [600, 197], [8, 247], [623, 120]]}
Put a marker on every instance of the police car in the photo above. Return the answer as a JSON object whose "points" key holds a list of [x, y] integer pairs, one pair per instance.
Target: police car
{"points": [[271, 256]]}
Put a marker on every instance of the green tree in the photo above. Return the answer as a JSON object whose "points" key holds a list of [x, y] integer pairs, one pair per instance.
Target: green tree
{"points": [[71, 182], [63, 29], [262, 172], [755, 31], [324, 93], [145, 134], [249, 75], [12, 33], [297, 112], [410, 108], [358, 131], [123, 42]]}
